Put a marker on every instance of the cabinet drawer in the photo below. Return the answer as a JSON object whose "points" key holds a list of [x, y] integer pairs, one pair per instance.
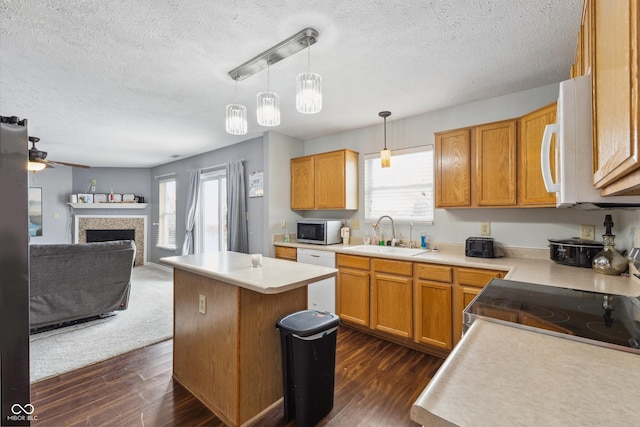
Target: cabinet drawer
{"points": [[352, 261], [438, 273], [476, 277], [284, 252], [402, 268]]}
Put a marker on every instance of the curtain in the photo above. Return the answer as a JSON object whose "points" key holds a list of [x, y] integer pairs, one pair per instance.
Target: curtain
{"points": [[237, 229], [193, 194]]}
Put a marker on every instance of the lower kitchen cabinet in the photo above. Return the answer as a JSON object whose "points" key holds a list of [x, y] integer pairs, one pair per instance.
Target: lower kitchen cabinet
{"points": [[469, 283], [353, 289], [288, 253], [392, 297], [433, 305]]}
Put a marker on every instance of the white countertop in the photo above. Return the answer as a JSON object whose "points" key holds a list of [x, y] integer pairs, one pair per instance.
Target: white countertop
{"points": [[532, 270], [275, 276], [504, 376]]}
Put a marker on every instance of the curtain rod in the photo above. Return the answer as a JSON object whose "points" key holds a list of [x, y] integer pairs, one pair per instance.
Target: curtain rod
{"points": [[212, 167], [166, 174]]}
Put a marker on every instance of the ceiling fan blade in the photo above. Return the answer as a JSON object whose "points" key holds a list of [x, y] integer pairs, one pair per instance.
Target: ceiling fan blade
{"points": [[74, 165]]}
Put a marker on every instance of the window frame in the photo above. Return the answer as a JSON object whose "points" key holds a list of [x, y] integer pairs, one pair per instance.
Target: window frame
{"points": [[370, 167]]}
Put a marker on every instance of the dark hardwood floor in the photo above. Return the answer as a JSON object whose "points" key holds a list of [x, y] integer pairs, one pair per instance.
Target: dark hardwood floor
{"points": [[376, 383]]}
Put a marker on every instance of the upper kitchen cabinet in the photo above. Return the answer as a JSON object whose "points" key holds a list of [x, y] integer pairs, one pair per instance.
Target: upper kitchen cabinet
{"points": [[609, 33], [325, 181], [453, 168], [495, 167], [531, 186], [476, 167]]}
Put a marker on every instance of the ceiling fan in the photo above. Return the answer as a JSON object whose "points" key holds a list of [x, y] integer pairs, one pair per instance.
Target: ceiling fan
{"points": [[37, 158]]}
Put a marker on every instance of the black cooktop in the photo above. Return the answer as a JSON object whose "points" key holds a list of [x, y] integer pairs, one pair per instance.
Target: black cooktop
{"points": [[604, 319]]}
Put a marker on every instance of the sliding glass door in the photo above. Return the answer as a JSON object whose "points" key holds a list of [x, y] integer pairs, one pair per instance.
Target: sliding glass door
{"points": [[211, 221]]}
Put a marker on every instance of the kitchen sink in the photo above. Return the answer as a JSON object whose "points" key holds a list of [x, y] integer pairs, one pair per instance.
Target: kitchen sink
{"points": [[388, 250]]}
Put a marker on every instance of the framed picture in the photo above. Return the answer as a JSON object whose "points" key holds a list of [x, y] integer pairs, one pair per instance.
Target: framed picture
{"points": [[35, 211], [99, 198], [85, 198]]}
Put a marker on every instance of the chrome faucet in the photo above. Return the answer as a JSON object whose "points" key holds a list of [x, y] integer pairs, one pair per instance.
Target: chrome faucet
{"points": [[393, 228]]}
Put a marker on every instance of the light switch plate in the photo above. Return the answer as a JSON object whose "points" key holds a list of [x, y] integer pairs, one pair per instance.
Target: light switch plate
{"points": [[588, 232]]}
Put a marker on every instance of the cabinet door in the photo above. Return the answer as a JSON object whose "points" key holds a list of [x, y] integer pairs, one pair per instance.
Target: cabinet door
{"points": [[433, 308], [453, 168], [330, 180], [615, 84], [353, 296], [288, 253], [302, 183], [495, 167], [392, 305], [532, 189]]}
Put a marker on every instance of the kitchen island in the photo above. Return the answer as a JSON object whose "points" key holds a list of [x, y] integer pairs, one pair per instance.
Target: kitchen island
{"points": [[226, 348]]}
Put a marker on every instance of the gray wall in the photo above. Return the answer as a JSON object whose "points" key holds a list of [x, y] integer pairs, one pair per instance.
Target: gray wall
{"points": [[57, 219]]}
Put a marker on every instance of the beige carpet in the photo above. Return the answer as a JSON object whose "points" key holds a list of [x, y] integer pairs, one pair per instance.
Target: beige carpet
{"points": [[148, 320]]}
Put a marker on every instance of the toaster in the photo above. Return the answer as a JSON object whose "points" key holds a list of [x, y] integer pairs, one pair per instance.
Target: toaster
{"points": [[481, 247]]}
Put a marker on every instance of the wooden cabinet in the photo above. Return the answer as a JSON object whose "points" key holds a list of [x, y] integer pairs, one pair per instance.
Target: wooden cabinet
{"points": [[353, 289], [433, 305], [453, 168], [476, 167], [325, 181], [469, 283], [531, 186], [392, 297], [303, 194], [495, 164], [615, 95], [288, 253]]}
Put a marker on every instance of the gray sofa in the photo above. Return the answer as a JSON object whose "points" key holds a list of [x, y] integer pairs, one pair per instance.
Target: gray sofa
{"points": [[76, 281]]}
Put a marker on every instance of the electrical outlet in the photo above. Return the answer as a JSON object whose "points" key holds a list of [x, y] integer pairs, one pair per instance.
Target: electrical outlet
{"points": [[355, 224], [283, 224], [588, 232], [485, 228], [202, 304]]}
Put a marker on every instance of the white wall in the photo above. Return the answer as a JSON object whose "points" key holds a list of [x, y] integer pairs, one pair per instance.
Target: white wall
{"points": [[511, 227]]}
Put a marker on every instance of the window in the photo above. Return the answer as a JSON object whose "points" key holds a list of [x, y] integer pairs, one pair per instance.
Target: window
{"points": [[167, 214], [403, 191], [211, 221]]}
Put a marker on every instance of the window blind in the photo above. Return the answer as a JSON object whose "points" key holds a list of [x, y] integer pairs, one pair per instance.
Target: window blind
{"points": [[167, 214], [405, 190]]}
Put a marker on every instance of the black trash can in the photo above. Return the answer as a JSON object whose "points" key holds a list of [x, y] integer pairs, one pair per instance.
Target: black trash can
{"points": [[308, 340]]}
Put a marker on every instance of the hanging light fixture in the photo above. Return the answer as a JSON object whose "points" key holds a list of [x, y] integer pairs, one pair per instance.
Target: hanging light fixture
{"points": [[385, 154], [236, 122], [309, 89], [268, 107]]}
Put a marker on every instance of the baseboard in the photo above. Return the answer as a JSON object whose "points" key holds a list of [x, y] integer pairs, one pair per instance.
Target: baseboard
{"points": [[159, 266]]}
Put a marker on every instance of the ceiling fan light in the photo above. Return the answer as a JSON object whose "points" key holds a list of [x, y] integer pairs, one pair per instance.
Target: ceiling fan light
{"points": [[268, 109], [236, 122], [35, 166], [309, 93]]}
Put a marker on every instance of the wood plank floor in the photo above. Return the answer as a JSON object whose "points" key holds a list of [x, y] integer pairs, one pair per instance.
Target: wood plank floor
{"points": [[376, 383]]}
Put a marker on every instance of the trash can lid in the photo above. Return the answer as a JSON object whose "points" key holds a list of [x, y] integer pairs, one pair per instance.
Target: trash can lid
{"points": [[308, 322]]}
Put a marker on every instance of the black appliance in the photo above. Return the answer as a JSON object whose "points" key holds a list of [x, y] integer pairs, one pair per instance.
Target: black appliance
{"points": [[15, 389], [575, 252], [481, 247], [598, 318]]}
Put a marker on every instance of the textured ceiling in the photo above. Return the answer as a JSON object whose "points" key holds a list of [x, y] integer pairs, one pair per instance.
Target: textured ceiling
{"points": [[133, 82]]}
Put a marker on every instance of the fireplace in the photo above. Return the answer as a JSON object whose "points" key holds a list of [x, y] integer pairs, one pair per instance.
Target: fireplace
{"points": [[110, 234], [103, 224]]}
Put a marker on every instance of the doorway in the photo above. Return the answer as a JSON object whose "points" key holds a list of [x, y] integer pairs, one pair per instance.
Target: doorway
{"points": [[211, 221]]}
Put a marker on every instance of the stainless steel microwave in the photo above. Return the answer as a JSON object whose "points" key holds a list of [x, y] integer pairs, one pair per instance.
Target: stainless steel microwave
{"points": [[318, 231]]}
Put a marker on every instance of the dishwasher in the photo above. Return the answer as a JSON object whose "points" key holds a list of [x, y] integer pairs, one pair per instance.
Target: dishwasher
{"points": [[322, 294]]}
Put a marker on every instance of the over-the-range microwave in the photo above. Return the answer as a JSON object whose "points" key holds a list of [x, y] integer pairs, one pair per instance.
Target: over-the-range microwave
{"points": [[318, 231], [574, 173]]}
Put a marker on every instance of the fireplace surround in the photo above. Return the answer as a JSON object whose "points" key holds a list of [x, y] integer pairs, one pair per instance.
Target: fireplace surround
{"points": [[138, 223]]}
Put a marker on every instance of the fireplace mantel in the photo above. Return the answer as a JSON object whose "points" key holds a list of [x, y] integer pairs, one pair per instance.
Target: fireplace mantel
{"points": [[108, 205]]}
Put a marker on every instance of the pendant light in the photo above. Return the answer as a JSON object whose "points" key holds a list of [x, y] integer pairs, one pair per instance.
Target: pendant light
{"points": [[236, 122], [309, 89], [385, 154], [268, 106]]}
